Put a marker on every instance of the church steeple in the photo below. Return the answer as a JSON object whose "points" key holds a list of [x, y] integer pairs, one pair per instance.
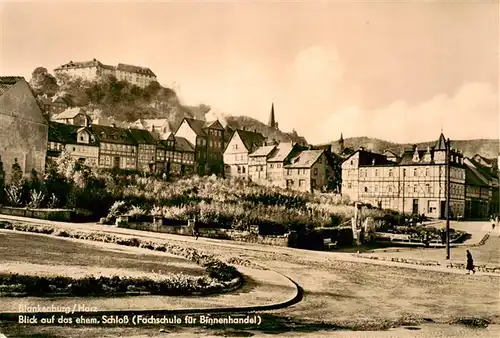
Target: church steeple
{"points": [[341, 143], [272, 122]]}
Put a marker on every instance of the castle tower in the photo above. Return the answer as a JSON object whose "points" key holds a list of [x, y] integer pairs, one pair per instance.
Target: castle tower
{"points": [[341, 143], [272, 121]]}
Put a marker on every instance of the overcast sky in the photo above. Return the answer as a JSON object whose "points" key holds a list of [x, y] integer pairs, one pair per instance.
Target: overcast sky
{"points": [[396, 71]]}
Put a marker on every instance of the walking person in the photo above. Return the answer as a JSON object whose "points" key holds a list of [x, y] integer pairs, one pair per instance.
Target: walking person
{"points": [[470, 263], [493, 222], [196, 228]]}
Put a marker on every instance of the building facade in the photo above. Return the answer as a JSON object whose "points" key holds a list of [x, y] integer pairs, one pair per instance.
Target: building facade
{"points": [[23, 128], [257, 164], [236, 153], [307, 171], [79, 142], [93, 70], [117, 147], [414, 183], [208, 141]]}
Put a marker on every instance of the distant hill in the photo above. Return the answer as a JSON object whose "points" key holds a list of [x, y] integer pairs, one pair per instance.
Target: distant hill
{"points": [[485, 147]]}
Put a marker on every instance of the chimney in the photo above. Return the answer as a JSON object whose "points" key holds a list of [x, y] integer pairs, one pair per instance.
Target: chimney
{"points": [[113, 125], [414, 147], [361, 148]]}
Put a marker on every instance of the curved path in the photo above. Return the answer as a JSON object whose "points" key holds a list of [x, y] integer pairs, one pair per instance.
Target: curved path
{"points": [[263, 290], [342, 256]]}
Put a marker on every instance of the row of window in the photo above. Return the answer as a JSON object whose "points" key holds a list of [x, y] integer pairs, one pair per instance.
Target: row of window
{"points": [[217, 133], [454, 173], [118, 147], [301, 171]]}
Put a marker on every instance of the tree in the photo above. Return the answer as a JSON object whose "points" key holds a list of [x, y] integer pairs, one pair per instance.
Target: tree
{"points": [[42, 82]]}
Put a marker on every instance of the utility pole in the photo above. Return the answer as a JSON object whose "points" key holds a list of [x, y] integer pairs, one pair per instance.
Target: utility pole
{"points": [[448, 190]]}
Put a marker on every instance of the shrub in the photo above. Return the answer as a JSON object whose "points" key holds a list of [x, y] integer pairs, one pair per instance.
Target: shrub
{"points": [[14, 195], [36, 199]]}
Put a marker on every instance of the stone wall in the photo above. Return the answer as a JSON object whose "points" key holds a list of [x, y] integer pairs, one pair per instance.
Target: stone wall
{"points": [[23, 130], [47, 214]]}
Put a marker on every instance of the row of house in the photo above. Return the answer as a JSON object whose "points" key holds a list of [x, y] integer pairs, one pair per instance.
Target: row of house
{"points": [[412, 182], [194, 148], [287, 165], [416, 181]]}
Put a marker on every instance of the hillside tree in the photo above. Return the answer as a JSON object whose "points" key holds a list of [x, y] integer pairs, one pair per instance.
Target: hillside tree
{"points": [[42, 82]]}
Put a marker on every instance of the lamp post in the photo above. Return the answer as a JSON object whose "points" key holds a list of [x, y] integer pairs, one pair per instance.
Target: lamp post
{"points": [[448, 190]]}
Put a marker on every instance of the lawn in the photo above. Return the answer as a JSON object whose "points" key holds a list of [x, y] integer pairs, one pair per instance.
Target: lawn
{"points": [[30, 253]]}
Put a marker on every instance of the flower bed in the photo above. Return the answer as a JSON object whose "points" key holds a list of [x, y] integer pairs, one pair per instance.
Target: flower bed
{"points": [[221, 277]]}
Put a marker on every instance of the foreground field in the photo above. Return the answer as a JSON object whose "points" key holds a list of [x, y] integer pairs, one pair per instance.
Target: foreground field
{"points": [[342, 295]]}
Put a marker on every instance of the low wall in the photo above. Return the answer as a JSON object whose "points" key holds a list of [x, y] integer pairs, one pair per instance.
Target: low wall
{"points": [[47, 214], [235, 235]]}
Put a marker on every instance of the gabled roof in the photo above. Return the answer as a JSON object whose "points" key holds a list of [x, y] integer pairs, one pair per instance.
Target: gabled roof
{"points": [[281, 152], [305, 159], [142, 136], [263, 151], [181, 144], [113, 134], [66, 133], [407, 157], [6, 82], [367, 158], [472, 177], [69, 113], [196, 126], [487, 172], [250, 139], [81, 64], [135, 69], [213, 125]]}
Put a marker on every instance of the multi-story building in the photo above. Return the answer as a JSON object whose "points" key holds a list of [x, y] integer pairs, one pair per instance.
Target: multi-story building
{"points": [[307, 171], [257, 164], [414, 183], [146, 149], [79, 142], [140, 76], [236, 153], [93, 70], [481, 195], [182, 160], [75, 116], [208, 140], [117, 147], [274, 170], [23, 127]]}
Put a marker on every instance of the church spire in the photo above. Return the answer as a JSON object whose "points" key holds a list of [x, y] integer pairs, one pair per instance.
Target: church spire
{"points": [[272, 121], [341, 143]]}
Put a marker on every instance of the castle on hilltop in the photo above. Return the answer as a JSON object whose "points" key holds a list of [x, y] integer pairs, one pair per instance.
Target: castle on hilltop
{"points": [[92, 70]]}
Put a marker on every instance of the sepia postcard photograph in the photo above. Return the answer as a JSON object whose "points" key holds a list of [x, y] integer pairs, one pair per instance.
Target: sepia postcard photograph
{"points": [[249, 168]]}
